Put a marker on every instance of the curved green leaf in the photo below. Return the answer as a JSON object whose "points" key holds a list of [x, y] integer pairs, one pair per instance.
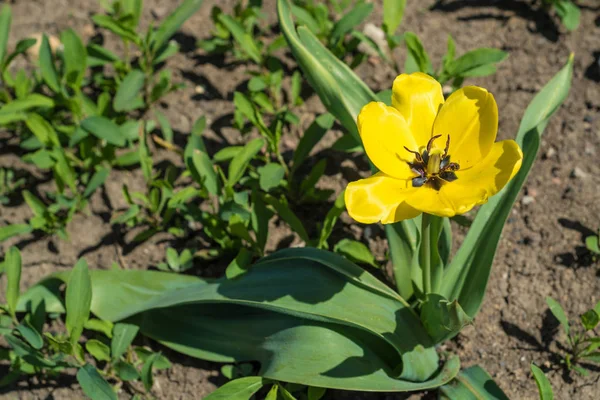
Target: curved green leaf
{"points": [[238, 389], [340, 90], [466, 277], [472, 383], [542, 383], [275, 313]]}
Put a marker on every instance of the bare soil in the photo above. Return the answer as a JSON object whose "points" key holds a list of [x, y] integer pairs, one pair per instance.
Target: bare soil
{"points": [[541, 254]]}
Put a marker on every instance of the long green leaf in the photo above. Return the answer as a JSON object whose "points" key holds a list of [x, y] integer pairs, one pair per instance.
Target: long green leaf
{"points": [[466, 277], [12, 267], [9, 231], [355, 17], [240, 162], [47, 67], [472, 383], [78, 300], [174, 21], [245, 40], [340, 90], [34, 100], [75, 56], [238, 389], [5, 21], [542, 383]]}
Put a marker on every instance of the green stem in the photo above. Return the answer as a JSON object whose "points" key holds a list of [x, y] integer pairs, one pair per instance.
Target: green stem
{"points": [[425, 252]]}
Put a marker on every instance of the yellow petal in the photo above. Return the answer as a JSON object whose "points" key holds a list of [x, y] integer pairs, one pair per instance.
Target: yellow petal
{"points": [[418, 97], [473, 186], [470, 117], [384, 134], [379, 198]]}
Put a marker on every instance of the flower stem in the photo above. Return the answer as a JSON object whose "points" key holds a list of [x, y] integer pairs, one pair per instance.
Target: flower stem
{"points": [[425, 252]]}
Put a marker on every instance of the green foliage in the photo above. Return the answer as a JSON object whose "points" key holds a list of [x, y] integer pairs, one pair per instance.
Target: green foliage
{"points": [[474, 63], [567, 11], [583, 343], [472, 383], [543, 384]]}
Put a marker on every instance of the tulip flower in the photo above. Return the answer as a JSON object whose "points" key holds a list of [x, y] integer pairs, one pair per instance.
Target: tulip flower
{"points": [[434, 156]]}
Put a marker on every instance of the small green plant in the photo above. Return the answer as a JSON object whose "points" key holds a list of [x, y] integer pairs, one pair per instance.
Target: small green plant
{"points": [[478, 62], [583, 343], [567, 11], [38, 346], [592, 243]]}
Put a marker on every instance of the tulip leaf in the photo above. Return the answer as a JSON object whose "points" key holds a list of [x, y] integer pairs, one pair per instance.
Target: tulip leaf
{"points": [[274, 313], [472, 383], [442, 319], [340, 90], [465, 279]]}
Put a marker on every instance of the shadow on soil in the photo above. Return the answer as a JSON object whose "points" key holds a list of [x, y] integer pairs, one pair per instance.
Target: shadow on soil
{"points": [[544, 23], [580, 256]]}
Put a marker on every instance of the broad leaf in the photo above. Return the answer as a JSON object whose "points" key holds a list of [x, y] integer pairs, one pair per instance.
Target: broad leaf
{"points": [[275, 313]]}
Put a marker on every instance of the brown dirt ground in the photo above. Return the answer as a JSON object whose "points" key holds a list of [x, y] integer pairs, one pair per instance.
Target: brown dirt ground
{"points": [[541, 252]]}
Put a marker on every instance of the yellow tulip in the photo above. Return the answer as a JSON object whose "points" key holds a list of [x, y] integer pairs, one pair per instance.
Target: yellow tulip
{"points": [[435, 156]]}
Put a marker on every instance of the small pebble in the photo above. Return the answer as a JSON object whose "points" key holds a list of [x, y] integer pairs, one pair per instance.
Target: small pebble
{"points": [[589, 149], [199, 89], [551, 152], [578, 173], [526, 200]]}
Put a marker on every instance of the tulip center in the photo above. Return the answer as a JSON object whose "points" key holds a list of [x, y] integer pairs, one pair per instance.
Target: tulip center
{"points": [[433, 166]]}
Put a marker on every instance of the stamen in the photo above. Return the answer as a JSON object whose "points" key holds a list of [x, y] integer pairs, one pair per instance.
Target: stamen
{"points": [[447, 147], [431, 142], [416, 153]]}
